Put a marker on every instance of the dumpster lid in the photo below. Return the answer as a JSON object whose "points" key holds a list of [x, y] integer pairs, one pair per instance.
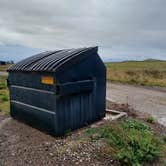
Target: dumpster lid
{"points": [[50, 60]]}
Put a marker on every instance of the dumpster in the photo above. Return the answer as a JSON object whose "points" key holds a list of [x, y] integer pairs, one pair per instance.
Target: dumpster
{"points": [[58, 91]]}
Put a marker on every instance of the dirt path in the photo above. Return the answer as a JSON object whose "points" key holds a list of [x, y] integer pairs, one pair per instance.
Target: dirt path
{"points": [[149, 100]]}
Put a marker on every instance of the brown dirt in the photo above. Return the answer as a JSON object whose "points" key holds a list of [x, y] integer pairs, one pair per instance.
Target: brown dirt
{"points": [[21, 144]]}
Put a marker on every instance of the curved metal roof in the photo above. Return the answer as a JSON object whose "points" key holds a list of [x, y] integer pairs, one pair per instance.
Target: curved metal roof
{"points": [[49, 60]]}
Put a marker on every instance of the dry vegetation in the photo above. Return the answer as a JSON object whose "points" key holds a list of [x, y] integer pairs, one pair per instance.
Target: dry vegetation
{"points": [[150, 73], [4, 67], [4, 96], [4, 93]]}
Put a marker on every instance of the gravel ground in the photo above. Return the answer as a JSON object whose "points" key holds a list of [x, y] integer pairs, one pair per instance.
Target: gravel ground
{"points": [[145, 99], [21, 145]]}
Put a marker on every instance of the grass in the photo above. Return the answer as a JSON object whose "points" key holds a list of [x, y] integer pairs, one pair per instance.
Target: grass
{"points": [[4, 93], [4, 96], [164, 138], [150, 73], [4, 67], [131, 142], [150, 119]]}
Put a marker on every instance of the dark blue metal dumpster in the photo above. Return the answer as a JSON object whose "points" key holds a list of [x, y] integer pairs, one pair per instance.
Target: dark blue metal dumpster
{"points": [[59, 90]]}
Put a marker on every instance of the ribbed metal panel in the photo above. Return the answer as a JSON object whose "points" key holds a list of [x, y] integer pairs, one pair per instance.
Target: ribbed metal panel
{"points": [[78, 111], [48, 61], [24, 64]]}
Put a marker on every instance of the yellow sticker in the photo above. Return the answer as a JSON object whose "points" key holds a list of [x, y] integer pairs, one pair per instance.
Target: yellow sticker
{"points": [[47, 80]]}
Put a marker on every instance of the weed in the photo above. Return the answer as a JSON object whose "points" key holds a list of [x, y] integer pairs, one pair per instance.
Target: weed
{"points": [[164, 163], [131, 140], [135, 124], [4, 98], [2, 85], [164, 138], [68, 132], [150, 119], [91, 131]]}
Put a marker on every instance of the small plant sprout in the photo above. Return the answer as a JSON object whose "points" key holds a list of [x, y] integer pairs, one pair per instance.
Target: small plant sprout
{"points": [[150, 119]]}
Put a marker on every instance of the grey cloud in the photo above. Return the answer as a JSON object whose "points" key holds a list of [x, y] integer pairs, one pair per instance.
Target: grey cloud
{"points": [[122, 28]]}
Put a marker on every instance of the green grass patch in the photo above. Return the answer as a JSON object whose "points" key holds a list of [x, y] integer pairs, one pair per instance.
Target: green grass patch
{"points": [[150, 119], [164, 163], [4, 96], [131, 142], [3, 84], [150, 73], [164, 138]]}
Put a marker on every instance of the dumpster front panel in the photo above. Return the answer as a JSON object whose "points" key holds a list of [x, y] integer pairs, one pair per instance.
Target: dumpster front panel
{"points": [[35, 106], [35, 116]]}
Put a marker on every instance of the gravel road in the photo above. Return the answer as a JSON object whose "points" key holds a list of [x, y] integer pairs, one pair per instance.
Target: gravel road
{"points": [[148, 100]]}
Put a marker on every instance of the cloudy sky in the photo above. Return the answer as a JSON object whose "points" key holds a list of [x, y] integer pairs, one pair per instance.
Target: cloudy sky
{"points": [[123, 29]]}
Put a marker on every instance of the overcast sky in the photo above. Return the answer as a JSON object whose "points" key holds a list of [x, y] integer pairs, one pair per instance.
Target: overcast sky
{"points": [[123, 29]]}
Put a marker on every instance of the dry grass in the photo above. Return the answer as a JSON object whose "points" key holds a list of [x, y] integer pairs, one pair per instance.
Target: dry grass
{"points": [[151, 73], [4, 93], [4, 96], [4, 67]]}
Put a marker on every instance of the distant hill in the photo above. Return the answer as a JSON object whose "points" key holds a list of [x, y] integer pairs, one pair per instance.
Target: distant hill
{"points": [[152, 60], [146, 60]]}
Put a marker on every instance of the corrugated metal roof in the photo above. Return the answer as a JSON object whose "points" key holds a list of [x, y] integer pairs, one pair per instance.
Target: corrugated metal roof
{"points": [[48, 61]]}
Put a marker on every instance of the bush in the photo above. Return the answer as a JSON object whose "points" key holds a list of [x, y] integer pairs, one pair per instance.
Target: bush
{"points": [[132, 140]]}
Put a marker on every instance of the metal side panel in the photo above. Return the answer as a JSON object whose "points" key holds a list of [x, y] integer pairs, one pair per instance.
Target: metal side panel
{"points": [[35, 116], [35, 97], [75, 87]]}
